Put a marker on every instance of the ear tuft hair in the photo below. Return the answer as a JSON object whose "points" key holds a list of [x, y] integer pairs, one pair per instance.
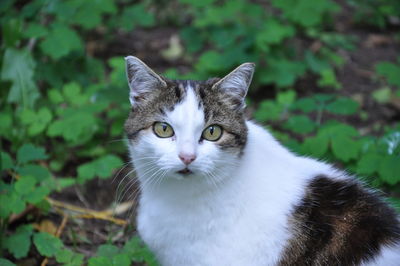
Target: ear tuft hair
{"points": [[236, 84], [141, 79]]}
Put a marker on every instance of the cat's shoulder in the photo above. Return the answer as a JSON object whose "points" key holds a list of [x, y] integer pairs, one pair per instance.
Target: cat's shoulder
{"points": [[339, 219]]}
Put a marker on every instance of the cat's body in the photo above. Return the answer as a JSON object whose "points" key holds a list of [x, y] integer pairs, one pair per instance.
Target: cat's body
{"points": [[242, 199]]}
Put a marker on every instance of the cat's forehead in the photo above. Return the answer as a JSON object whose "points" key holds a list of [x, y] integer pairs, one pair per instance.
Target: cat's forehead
{"points": [[187, 84], [189, 105], [187, 116], [181, 87]]}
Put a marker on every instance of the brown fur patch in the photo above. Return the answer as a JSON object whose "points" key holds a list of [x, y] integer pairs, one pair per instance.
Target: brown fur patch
{"points": [[339, 222], [151, 108], [218, 110]]}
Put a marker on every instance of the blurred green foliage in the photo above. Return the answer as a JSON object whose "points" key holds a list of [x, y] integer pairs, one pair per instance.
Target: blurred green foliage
{"points": [[62, 104]]}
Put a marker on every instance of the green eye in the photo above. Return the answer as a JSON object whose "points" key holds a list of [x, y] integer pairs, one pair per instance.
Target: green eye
{"points": [[163, 130], [212, 133]]}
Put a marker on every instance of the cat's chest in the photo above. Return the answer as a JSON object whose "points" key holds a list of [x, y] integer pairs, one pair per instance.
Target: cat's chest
{"points": [[244, 232]]}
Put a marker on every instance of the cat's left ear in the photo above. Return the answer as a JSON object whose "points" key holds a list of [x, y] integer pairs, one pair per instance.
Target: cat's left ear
{"points": [[235, 84], [142, 80]]}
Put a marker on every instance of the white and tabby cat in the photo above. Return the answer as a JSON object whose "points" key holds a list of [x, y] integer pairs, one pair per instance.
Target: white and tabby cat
{"points": [[217, 189]]}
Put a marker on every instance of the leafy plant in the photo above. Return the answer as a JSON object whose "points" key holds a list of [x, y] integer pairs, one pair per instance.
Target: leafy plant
{"points": [[239, 31], [64, 97], [375, 12], [390, 72]]}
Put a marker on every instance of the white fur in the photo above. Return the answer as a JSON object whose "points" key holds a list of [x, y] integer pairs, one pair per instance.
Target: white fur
{"points": [[389, 256], [231, 211]]}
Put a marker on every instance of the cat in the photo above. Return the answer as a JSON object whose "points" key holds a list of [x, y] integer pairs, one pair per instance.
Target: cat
{"points": [[218, 189]]}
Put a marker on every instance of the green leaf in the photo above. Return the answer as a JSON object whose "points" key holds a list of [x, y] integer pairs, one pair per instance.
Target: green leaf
{"points": [[117, 75], [316, 146], [12, 32], [47, 245], [25, 185], [389, 169], [323, 98], [121, 260], [29, 152], [343, 106], [64, 255], [5, 262], [65, 182], [286, 98], [210, 61], [10, 203], [61, 41], [282, 72], [69, 258], [192, 38], [19, 243], [78, 126], [37, 195], [73, 94], [306, 13], [101, 167], [37, 121], [316, 64], [37, 171], [328, 79], [136, 15], [35, 30], [6, 161], [196, 3], [6, 5], [77, 260], [5, 123], [336, 129], [268, 110], [26, 188], [300, 124], [382, 95], [99, 261], [139, 252], [369, 163], [18, 67], [89, 13], [345, 148], [305, 104], [107, 250], [390, 71], [55, 96], [273, 32]]}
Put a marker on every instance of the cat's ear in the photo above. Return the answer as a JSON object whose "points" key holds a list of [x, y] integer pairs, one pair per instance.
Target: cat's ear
{"points": [[141, 79], [235, 84]]}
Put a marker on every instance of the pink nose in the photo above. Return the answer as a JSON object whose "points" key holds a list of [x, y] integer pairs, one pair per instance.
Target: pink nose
{"points": [[187, 158]]}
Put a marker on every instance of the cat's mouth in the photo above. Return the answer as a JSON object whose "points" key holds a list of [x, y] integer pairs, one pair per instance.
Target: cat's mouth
{"points": [[185, 171]]}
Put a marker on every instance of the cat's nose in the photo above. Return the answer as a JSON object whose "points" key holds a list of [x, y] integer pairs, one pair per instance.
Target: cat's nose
{"points": [[187, 158]]}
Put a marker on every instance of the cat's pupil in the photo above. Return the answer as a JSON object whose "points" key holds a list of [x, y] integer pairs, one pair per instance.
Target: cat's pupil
{"points": [[164, 127], [211, 130]]}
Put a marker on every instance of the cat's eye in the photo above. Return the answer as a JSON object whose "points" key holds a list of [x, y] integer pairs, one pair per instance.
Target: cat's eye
{"points": [[212, 133], [163, 130]]}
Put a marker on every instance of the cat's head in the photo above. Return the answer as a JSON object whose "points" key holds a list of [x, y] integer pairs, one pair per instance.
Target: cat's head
{"points": [[184, 129]]}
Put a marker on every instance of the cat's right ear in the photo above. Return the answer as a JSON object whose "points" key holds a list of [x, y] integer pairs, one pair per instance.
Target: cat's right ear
{"points": [[141, 79], [235, 85]]}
